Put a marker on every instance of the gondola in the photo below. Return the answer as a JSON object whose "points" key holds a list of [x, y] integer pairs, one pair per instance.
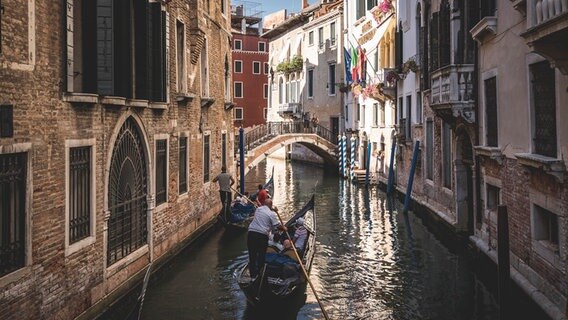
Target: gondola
{"points": [[279, 280], [241, 215]]}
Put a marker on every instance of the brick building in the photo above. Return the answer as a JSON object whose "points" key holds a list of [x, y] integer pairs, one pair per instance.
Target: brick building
{"points": [[492, 80], [250, 65], [115, 117]]}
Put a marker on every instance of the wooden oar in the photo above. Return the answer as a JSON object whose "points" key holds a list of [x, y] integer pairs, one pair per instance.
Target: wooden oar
{"points": [[246, 198], [303, 268]]}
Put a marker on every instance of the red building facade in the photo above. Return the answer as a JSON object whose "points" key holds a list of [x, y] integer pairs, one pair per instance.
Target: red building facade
{"points": [[250, 77]]}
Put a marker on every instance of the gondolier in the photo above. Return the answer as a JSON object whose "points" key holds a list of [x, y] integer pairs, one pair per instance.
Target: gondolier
{"points": [[225, 182], [264, 221]]}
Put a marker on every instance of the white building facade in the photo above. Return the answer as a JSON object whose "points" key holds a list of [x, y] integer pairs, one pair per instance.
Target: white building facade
{"points": [[306, 67], [369, 107]]}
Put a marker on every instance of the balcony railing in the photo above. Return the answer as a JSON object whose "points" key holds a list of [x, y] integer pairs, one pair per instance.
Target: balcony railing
{"points": [[452, 84], [541, 11]]}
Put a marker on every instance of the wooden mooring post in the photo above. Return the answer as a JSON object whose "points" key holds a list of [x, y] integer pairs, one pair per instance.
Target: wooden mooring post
{"points": [[503, 261]]}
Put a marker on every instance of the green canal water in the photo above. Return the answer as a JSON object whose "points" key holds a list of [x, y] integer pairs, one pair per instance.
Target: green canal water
{"points": [[371, 263]]}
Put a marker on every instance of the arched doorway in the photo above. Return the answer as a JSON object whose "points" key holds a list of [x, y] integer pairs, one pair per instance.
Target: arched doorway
{"points": [[464, 181], [127, 194]]}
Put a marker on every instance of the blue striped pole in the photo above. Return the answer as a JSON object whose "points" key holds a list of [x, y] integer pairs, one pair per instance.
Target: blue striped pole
{"points": [[352, 158], [367, 164], [340, 155], [344, 155], [411, 176], [391, 168]]}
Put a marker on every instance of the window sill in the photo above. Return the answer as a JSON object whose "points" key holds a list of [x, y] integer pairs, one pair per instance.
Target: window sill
{"points": [[185, 97], [552, 166], [77, 246], [493, 153], [229, 105], [548, 251], [82, 98], [15, 276], [126, 261], [158, 105], [139, 103], [206, 101], [112, 100]]}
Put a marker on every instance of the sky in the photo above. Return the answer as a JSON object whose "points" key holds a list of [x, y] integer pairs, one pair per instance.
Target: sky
{"points": [[270, 6]]}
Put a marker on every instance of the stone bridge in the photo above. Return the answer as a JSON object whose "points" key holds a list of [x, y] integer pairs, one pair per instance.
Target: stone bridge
{"points": [[264, 140]]}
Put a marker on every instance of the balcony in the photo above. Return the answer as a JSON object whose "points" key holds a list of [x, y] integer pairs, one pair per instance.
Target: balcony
{"points": [[390, 76], [290, 109], [547, 31], [451, 92]]}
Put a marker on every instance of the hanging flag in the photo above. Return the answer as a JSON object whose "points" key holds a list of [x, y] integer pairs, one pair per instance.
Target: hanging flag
{"points": [[354, 56], [361, 64], [347, 56]]}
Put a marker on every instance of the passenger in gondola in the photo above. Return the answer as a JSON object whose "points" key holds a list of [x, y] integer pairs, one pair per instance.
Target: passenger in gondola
{"points": [[300, 235], [265, 220]]}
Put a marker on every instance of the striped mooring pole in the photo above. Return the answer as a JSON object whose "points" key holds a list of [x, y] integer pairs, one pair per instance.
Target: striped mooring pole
{"points": [[340, 153], [352, 158], [343, 155]]}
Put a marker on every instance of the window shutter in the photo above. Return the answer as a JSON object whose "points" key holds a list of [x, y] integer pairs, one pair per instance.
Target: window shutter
{"points": [[70, 52], [141, 31], [157, 52], [105, 71]]}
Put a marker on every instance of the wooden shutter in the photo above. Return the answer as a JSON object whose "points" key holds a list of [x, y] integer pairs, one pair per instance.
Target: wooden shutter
{"points": [[105, 63], [157, 52]]}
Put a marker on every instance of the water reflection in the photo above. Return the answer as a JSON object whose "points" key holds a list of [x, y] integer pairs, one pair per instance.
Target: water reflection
{"points": [[371, 262]]}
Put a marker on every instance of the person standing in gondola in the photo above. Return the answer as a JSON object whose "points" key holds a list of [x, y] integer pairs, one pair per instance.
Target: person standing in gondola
{"points": [[225, 182], [265, 220], [262, 195]]}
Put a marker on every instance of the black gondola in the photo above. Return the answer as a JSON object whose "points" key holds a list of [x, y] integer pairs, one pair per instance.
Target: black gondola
{"points": [[241, 215], [281, 280]]}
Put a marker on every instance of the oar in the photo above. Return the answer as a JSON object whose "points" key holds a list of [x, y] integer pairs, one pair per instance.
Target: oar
{"points": [[246, 198], [303, 268]]}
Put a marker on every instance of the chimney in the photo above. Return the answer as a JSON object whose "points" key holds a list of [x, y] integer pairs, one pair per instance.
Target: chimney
{"points": [[305, 4]]}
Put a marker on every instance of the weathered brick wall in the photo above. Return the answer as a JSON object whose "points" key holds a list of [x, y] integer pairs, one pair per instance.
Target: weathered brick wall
{"points": [[55, 286], [517, 181]]}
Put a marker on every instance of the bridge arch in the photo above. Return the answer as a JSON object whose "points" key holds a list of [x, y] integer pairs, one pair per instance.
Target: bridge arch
{"points": [[322, 147]]}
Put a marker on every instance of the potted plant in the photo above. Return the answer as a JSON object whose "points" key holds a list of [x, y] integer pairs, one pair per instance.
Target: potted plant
{"points": [[289, 66], [410, 65], [343, 88], [392, 77]]}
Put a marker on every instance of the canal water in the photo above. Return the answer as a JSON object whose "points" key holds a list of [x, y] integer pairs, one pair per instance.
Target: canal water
{"points": [[371, 263]]}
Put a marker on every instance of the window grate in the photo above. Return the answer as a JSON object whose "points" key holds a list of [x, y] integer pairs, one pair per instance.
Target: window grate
{"points": [[206, 158], [79, 193], [543, 87], [127, 226], [12, 212], [491, 112], [161, 181], [183, 165]]}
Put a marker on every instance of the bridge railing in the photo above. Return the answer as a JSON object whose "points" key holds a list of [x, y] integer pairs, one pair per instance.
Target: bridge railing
{"points": [[263, 132]]}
